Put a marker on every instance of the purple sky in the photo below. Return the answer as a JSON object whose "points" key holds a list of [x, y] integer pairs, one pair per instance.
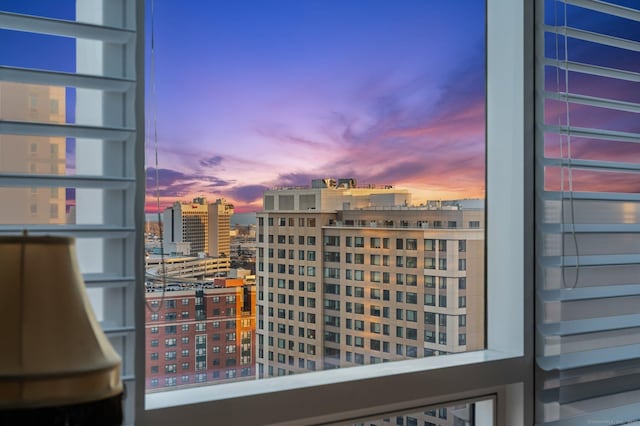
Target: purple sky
{"points": [[255, 94]]}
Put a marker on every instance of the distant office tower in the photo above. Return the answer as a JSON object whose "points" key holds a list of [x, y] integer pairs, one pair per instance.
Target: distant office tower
{"points": [[220, 214], [350, 276], [205, 226], [32, 154], [186, 222], [200, 335]]}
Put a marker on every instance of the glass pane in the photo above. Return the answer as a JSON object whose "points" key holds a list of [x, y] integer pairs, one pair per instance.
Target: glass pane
{"points": [[346, 154], [39, 51], [479, 413], [61, 9]]}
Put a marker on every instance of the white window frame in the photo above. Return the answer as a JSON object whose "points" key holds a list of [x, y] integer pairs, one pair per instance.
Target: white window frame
{"points": [[504, 370]]}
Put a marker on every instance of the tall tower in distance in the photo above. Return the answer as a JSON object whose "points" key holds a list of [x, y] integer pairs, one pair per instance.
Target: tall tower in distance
{"points": [[32, 154], [187, 222], [220, 214], [206, 227]]}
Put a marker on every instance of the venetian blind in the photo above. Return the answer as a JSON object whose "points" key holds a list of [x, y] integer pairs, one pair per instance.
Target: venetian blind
{"points": [[71, 146], [587, 211]]}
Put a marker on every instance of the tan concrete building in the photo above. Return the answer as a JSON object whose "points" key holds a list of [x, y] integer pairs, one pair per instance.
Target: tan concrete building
{"points": [[350, 276], [32, 154], [220, 214], [207, 227]]}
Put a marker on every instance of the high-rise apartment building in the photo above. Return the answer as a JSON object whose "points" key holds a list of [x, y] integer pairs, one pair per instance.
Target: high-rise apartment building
{"points": [[32, 154], [350, 276], [200, 334], [220, 214]]}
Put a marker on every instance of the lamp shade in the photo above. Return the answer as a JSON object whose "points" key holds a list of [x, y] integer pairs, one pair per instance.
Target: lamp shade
{"points": [[54, 352]]}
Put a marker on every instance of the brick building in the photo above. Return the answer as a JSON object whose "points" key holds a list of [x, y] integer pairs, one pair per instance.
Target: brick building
{"points": [[200, 335]]}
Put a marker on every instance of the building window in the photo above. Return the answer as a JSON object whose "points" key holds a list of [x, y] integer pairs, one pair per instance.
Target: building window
{"points": [[462, 264], [462, 320], [429, 263], [462, 339], [462, 283], [442, 301], [429, 300]]}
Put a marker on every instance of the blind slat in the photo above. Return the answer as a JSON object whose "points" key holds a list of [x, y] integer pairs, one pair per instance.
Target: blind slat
{"points": [[605, 40], [591, 325], [591, 133], [79, 231], [590, 196], [53, 78], [586, 293], [607, 8], [93, 280], [64, 130], [41, 25], [568, 361], [590, 164], [594, 70], [580, 228], [593, 101], [595, 260], [72, 181]]}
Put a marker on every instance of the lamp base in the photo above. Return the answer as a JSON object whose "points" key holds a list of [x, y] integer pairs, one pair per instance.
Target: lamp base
{"points": [[105, 412]]}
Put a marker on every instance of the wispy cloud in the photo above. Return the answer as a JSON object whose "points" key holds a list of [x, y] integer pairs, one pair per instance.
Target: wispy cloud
{"points": [[211, 161]]}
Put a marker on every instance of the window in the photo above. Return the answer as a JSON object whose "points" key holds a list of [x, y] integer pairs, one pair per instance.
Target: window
{"points": [[462, 264], [442, 264], [429, 300], [401, 350], [429, 318], [462, 339], [442, 283], [462, 283], [462, 320], [442, 301], [429, 262]]}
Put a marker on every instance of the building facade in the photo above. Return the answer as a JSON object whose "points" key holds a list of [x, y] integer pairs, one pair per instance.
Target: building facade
{"points": [[32, 154], [185, 222], [206, 227], [220, 214], [200, 335], [351, 276]]}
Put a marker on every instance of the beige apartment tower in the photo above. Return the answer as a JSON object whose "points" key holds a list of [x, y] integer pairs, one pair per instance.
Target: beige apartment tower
{"points": [[32, 154], [351, 276]]}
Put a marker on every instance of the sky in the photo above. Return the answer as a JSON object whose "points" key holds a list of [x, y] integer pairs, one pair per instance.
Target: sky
{"points": [[255, 94], [246, 95]]}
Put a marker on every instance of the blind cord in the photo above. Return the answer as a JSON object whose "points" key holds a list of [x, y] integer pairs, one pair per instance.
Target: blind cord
{"points": [[574, 237], [154, 115]]}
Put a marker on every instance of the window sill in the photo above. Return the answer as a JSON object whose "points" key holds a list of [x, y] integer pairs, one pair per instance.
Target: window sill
{"points": [[391, 372]]}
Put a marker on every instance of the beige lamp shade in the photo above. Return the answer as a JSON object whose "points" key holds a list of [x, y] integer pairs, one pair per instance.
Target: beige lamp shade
{"points": [[53, 350]]}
